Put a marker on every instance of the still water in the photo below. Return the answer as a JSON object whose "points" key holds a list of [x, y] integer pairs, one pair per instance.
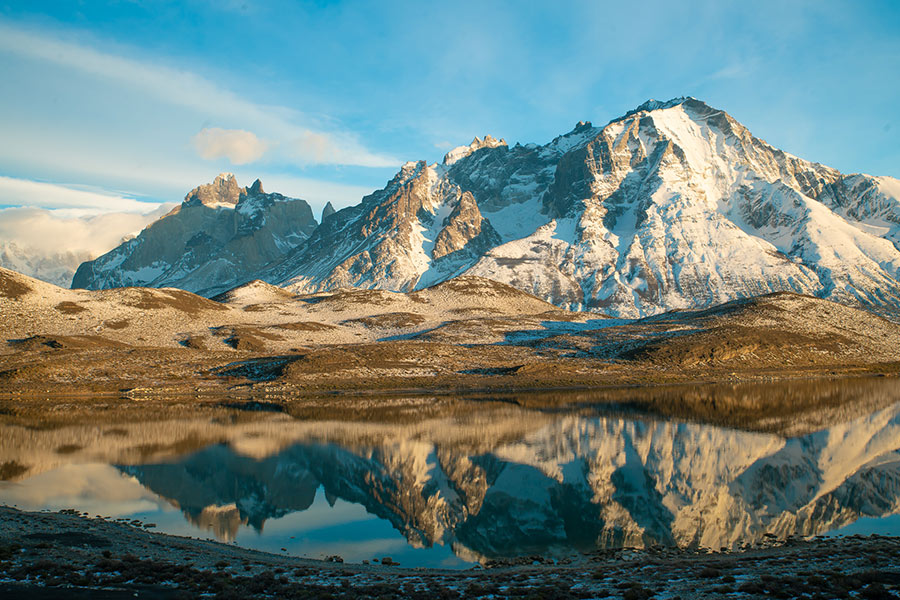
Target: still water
{"points": [[483, 479]]}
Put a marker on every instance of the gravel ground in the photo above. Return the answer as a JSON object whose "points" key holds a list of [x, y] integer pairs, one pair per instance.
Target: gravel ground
{"points": [[67, 555]]}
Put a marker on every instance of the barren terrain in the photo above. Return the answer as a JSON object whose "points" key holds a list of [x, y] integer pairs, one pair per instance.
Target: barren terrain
{"points": [[468, 333]]}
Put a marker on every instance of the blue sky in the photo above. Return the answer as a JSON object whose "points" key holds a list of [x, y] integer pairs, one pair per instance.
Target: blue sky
{"points": [[135, 100]]}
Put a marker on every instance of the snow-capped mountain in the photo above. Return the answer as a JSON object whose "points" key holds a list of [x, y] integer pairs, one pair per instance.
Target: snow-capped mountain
{"points": [[673, 205], [56, 268], [219, 235]]}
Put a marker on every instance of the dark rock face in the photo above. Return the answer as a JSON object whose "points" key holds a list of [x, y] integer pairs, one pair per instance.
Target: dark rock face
{"points": [[393, 236], [327, 211], [465, 229], [218, 238]]}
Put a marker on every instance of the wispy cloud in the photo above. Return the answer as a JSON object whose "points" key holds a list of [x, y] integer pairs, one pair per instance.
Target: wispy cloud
{"points": [[731, 71], [238, 146], [65, 201], [23, 192], [188, 90]]}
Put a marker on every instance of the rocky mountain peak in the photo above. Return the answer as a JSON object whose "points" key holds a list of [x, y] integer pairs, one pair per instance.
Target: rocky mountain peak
{"points": [[478, 143], [223, 190], [327, 211], [409, 170], [256, 188], [582, 126], [217, 239]]}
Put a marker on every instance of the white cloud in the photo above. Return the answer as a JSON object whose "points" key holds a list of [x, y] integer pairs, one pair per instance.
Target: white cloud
{"points": [[51, 229], [199, 96], [96, 488], [47, 232], [734, 70], [238, 146], [66, 201], [50, 244], [23, 192]]}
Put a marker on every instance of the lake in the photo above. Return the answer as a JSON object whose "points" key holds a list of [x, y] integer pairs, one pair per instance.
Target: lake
{"points": [[475, 479]]}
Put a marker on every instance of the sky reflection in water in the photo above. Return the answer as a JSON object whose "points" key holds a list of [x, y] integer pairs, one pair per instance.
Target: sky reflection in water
{"points": [[453, 490]]}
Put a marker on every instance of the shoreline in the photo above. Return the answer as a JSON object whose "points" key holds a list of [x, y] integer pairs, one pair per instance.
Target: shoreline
{"points": [[324, 385], [69, 555], [791, 405]]}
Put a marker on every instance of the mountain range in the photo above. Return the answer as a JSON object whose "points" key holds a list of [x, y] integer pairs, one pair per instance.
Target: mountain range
{"points": [[673, 205], [468, 332]]}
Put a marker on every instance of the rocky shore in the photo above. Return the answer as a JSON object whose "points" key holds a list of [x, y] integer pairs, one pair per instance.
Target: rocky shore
{"points": [[68, 555]]}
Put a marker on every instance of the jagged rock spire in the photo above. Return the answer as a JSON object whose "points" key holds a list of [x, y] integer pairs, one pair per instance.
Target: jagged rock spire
{"points": [[256, 188], [223, 190], [327, 212]]}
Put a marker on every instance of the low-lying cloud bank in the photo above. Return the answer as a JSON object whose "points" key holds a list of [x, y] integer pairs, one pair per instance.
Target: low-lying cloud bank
{"points": [[49, 245]]}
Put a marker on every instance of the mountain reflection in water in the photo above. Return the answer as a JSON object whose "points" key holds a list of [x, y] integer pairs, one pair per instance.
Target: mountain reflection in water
{"points": [[495, 481]]}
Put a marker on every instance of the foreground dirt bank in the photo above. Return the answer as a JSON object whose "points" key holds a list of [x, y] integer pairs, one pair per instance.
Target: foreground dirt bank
{"points": [[44, 555]]}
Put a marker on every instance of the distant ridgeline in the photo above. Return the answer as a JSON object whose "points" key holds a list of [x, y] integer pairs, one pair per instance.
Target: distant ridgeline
{"points": [[219, 235], [673, 205]]}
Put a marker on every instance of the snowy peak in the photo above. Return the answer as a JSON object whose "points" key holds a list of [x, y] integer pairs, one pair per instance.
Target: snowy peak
{"points": [[652, 104], [674, 205], [461, 152], [56, 268]]}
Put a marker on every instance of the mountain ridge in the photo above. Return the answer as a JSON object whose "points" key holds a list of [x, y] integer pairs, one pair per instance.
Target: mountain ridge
{"points": [[673, 205], [210, 243]]}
